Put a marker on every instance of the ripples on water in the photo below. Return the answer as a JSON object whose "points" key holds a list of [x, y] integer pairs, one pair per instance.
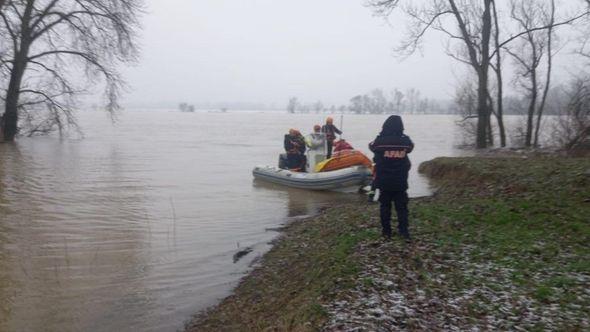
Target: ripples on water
{"points": [[134, 226]]}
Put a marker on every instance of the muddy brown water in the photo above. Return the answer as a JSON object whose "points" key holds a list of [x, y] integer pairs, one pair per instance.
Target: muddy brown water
{"points": [[135, 226]]}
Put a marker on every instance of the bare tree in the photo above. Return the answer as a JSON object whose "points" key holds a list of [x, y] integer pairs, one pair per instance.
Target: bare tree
{"points": [[378, 103], [356, 104], [52, 45], [397, 101], [318, 106], [474, 24], [573, 127], [465, 102], [413, 97], [471, 27], [584, 38], [292, 105], [528, 56]]}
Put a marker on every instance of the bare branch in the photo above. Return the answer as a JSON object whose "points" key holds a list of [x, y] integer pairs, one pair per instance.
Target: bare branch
{"points": [[411, 45], [53, 40], [544, 27]]}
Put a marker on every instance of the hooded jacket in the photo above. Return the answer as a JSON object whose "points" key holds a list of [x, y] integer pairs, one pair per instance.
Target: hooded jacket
{"points": [[391, 149]]}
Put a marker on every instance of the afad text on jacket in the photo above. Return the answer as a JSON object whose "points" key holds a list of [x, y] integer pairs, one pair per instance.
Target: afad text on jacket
{"points": [[391, 149]]}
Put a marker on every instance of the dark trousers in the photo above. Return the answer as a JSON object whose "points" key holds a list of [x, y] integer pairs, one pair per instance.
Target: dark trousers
{"points": [[330, 145], [296, 161], [400, 199]]}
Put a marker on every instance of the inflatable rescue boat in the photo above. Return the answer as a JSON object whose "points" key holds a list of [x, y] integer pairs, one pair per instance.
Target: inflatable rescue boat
{"points": [[353, 176], [347, 168]]}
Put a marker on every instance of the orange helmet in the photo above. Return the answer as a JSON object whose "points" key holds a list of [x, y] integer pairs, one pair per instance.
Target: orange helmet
{"points": [[329, 120]]}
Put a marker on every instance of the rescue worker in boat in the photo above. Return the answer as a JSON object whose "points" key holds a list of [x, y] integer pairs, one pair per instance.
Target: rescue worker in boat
{"points": [[391, 149], [317, 145], [330, 130], [302, 148], [341, 145], [295, 147]]}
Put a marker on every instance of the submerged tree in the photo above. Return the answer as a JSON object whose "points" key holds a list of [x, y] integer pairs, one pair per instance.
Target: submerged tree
{"points": [[469, 26], [465, 21], [293, 105], [573, 126], [528, 55], [54, 50]]}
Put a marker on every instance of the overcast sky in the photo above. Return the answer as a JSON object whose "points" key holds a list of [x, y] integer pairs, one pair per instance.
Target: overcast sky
{"points": [[269, 50]]}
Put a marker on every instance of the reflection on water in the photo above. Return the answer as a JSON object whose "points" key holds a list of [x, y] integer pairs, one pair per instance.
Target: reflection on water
{"points": [[58, 249], [135, 226], [302, 203]]}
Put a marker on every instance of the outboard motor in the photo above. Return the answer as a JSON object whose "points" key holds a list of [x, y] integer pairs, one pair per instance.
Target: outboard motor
{"points": [[283, 161]]}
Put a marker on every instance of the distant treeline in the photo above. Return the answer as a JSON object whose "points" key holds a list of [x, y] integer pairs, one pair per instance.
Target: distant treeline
{"points": [[411, 101], [378, 101]]}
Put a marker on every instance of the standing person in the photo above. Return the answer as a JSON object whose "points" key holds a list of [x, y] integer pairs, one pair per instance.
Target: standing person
{"points": [[330, 130], [392, 165], [302, 148], [316, 144], [295, 148]]}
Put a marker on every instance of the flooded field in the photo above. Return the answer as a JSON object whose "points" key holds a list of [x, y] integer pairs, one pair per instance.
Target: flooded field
{"points": [[134, 226]]}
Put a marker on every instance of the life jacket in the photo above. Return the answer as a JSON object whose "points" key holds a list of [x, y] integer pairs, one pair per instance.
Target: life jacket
{"points": [[392, 164]]}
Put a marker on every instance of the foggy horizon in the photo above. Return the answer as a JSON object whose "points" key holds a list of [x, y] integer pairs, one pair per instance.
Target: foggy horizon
{"points": [[266, 52], [262, 52]]}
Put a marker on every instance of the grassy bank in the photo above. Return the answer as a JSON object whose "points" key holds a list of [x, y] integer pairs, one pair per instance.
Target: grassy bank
{"points": [[503, 244]]}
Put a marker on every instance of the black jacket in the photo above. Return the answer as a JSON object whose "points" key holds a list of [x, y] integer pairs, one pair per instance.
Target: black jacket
{"points": [[391, 149], [294, 144], [330, 130]]}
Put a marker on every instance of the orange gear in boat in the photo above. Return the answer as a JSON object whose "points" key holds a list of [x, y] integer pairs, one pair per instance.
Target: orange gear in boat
{"points": [[342, 145], [343, 159]]}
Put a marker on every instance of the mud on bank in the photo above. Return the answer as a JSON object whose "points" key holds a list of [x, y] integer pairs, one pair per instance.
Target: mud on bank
{"points": [[503, 244]]}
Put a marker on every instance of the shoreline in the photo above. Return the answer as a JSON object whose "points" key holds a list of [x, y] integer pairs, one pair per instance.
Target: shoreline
{"points": [[486, 255]]}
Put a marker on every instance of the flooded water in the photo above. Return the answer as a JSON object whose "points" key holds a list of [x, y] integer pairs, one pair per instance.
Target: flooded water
{"points": [[133, 227]]}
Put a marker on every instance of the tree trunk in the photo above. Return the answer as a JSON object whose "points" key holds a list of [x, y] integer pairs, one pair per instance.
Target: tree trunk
{"points": [[10, 120], [548, 80], [500, 97], [500, 111], [482, 116], [534, 92], [531, 111], [480, 66], [482, 90], [490, 132]]}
